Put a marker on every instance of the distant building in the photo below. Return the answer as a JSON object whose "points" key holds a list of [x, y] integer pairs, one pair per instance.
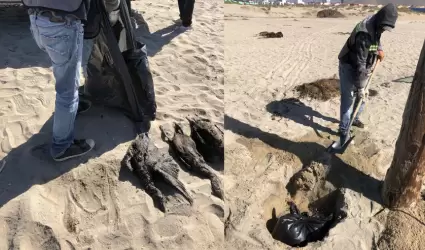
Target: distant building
{"points": [[295, 1]]}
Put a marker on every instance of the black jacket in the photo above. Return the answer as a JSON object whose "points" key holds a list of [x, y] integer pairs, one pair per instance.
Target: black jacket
{"points": [[356, 50]]}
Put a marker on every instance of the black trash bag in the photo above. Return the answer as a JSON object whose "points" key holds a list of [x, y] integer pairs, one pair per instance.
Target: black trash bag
{"points": [[138, 66], [118, 70], [297, 229], [104, 85]]}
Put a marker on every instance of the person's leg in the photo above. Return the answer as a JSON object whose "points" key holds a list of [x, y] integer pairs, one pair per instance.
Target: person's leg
{"points": [[357, 121], [187, 13], [63, 43], [181, 8], [347, 97]]}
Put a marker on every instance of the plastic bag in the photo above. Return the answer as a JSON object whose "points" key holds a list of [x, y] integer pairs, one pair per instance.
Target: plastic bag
{"points": [[118, 71], [297, 229], [138, 66]]}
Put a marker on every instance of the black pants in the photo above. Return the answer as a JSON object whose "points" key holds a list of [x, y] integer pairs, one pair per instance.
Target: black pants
{"points": [[186, 11]]}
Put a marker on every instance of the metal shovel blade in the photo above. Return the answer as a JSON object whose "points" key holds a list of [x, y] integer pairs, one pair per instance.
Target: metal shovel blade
{"points": [[337, 148]]}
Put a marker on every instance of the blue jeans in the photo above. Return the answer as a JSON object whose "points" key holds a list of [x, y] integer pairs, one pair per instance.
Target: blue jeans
{"points": [[63, 42], [347, 88]]}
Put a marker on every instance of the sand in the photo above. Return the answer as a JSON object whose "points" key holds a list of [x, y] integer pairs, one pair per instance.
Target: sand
{"points": [[265, 147], [92, 203]]}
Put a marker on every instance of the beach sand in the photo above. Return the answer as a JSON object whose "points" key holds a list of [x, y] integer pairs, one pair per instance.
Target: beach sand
{"points": [[91, 203], [269, 138]]}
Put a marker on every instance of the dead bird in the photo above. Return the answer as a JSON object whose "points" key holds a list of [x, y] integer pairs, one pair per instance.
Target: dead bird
{"points": [[146, 161], [208, 138], [185, 148], [267, 34]]}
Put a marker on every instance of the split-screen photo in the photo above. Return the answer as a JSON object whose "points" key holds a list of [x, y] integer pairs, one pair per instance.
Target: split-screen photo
{"points": [[210, 124]]}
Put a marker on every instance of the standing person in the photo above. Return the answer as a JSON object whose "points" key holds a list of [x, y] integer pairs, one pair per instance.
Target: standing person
{"points": [[58, 29], [356, 59], [186, 11]]}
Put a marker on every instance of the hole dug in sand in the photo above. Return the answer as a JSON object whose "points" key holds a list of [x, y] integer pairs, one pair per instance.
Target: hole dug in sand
{"points": [[310, 193]]}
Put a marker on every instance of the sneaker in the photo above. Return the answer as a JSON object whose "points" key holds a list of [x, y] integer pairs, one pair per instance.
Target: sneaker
{"points": [[83, 106], [77, 148], [358, 123]]}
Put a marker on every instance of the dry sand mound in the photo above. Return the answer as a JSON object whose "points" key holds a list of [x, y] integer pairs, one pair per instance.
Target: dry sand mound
{"points": [[404, 229]]}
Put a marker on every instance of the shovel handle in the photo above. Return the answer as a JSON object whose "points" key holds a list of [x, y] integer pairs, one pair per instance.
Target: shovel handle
{"points": [[358, 102], [372, 73]]}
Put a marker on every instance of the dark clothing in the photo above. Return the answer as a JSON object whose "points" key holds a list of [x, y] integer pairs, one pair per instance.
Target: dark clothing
{"points": [[186, 11], [77, 8], [361, 47], [87, 11]]}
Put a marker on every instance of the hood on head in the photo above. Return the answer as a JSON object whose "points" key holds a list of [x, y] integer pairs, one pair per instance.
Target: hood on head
{"points": [[386, 16]]}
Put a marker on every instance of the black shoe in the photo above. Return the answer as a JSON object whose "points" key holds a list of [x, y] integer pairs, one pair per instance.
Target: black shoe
{"points": [[83, 106], [77, 148], [358, 123]]}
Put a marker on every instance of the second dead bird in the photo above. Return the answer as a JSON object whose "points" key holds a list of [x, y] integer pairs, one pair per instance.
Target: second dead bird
{"points": [[185, 148], [145, 160], [208, 138]]}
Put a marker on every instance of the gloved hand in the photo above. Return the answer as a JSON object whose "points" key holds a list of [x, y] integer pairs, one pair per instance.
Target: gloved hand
{"points": [[381, 55], [369, 73], [360, 93]]}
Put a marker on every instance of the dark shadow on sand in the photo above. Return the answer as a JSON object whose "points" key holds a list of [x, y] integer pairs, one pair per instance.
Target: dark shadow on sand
{"points": [[407, 79], [18, 49], [30, 163], [294, 109], [341, 174], [155, 41]]}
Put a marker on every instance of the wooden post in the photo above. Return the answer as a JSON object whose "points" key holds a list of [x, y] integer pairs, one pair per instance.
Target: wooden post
{"points": [[403, 181]]}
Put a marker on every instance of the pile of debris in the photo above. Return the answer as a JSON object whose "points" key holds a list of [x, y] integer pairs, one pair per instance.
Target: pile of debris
{"points": [[322, 89], [329, 13]]}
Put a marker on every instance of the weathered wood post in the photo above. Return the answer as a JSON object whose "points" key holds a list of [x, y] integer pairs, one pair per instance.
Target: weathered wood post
{"points": [[403, 181]]}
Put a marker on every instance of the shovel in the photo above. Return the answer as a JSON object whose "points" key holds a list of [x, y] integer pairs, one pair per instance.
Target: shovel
{"points": [[336, 146]]}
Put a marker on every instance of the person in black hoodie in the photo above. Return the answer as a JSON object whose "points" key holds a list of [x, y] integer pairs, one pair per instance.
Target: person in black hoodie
{"points": [[356, 59], [58, 28]]}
